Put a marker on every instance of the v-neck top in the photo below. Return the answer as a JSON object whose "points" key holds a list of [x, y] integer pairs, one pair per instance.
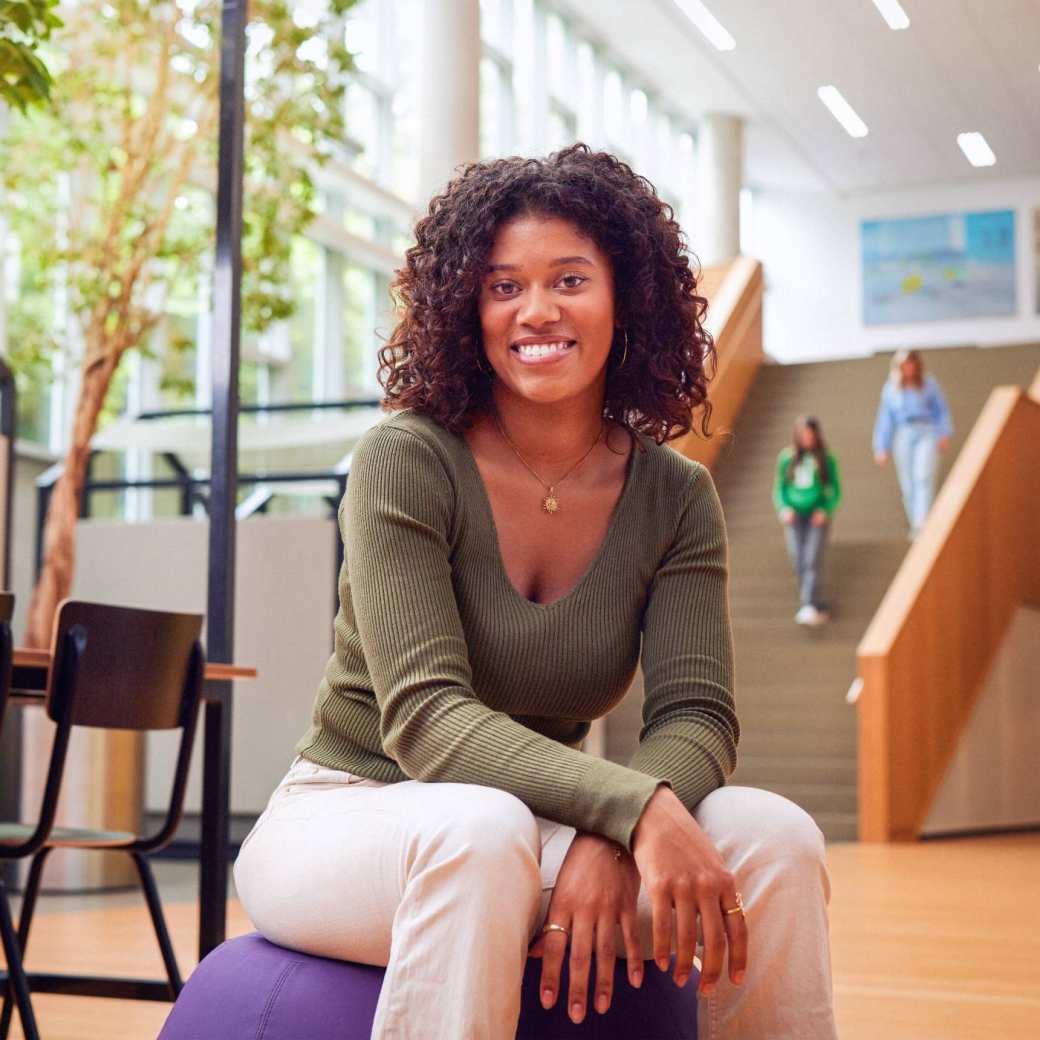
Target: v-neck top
{"points": [[443, 672]]}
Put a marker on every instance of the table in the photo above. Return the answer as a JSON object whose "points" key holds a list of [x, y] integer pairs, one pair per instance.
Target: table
{"points": [[29, 681]]}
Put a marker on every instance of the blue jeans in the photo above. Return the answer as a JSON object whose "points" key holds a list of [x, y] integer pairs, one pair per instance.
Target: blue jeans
{"points": [[805, 542], [915, 449]]}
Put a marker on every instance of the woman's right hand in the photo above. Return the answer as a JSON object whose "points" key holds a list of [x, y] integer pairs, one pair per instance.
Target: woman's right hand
{"points": [[682, 871], [881, 458], [786, 516]]}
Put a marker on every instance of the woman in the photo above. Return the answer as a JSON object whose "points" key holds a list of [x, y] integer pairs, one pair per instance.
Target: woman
{"points": [[806, 491], [913, 424], [512, 533]]}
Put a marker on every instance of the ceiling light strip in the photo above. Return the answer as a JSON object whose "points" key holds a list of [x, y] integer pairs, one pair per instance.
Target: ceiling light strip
{"points": [[707, 23], [842, 111], [893, 13], [976, 148]]}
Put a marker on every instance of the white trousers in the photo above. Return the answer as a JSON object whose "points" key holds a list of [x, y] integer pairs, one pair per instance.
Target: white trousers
{"points": [[447, 884]]}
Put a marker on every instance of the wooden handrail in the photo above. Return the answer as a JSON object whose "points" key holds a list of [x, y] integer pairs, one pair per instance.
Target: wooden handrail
{"points": [[735, 320], [928, 649]]}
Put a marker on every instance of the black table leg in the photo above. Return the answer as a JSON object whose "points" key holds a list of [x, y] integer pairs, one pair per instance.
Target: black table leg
{"points": [[216, 785]]}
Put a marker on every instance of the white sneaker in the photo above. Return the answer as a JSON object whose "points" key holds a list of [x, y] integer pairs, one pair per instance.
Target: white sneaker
{"points": [[809, 615]]}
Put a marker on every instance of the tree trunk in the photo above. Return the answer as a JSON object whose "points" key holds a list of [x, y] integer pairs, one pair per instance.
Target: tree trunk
{"points": [[59, 533]]}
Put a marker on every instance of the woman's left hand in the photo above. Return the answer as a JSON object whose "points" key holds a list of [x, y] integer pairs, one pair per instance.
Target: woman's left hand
{"points": [[595, 891], [943, 443], [819, 517]]}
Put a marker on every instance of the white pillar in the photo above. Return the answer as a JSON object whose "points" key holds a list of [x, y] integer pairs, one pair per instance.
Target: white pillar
{"points": [[450, 92], [720, 162], [329, 334]]}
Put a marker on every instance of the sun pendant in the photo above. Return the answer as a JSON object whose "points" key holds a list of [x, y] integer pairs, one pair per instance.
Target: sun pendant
{"points": [[550, 504]]}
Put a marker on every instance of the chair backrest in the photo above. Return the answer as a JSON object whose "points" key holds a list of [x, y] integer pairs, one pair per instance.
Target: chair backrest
{"points": [[124, 668]]}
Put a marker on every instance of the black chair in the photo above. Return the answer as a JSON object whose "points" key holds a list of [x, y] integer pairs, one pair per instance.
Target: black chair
{"points": [[113, 668]]}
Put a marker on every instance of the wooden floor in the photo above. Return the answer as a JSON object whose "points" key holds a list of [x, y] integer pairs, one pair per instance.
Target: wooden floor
{"points": [[935, 940]]}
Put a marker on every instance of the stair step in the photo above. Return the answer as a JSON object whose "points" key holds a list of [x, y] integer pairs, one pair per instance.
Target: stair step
{"points": [[757, 742], [810, 769], [839, 826], [814, 798]]}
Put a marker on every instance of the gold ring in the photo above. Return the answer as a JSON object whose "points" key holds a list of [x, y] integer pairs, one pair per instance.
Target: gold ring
{"points": [[738, 909], [556, 928]]}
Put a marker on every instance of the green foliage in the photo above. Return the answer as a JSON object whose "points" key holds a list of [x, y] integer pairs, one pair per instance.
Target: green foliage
{"points": [[109, 190], [24, 25]]}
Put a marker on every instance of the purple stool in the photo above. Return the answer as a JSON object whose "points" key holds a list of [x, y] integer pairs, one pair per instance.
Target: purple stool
{"points": [[250, 989]]}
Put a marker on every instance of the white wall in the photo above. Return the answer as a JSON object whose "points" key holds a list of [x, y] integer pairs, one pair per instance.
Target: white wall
{"points": [[809, 244]]}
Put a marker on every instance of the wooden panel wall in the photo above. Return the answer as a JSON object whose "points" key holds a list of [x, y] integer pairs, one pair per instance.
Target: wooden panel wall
{"points": [[932, 640]]}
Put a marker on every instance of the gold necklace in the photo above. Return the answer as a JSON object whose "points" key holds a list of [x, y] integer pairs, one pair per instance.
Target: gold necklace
{"points": [[551, 503]]}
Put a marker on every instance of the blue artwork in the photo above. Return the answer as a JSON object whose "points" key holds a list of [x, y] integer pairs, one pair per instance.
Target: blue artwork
{"points": [[958, 265]]}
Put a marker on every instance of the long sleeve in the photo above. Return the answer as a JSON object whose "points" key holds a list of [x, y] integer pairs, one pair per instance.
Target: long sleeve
{"points": [[832, 489], [690, 729], [939, 409], [884, 424], [397, 527]]}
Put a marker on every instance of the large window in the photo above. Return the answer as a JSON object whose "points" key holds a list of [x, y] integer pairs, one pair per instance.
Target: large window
{"points": [[543, 85]]}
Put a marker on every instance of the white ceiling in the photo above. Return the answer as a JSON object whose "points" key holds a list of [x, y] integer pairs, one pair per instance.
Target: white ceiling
{"points": [[961, 65]]}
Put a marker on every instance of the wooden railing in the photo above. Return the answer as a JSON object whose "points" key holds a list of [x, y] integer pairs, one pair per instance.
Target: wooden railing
{"points": [[735, 320], [931, 643]]}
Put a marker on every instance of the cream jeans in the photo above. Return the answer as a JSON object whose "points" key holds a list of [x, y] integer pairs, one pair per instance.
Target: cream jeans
{"points": [[447, 884]]}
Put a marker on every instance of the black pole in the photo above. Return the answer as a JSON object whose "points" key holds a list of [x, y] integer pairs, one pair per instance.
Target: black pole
{"points": [[8, 422], [220, 603], [11, 727]]}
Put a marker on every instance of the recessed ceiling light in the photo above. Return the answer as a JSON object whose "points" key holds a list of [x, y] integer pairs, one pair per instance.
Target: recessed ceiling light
{"points": [[976, 149], [842, 111], [893, 13], [708, 24]]}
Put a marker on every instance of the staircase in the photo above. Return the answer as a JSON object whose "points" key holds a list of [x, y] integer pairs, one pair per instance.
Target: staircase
{"points": [[798, 734]]}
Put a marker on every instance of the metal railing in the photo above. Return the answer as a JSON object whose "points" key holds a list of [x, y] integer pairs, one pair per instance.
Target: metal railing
{"points": [[194, 487]]}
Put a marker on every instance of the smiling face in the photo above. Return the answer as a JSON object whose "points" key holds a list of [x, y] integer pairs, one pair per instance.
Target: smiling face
{"points": [[547, 311]]}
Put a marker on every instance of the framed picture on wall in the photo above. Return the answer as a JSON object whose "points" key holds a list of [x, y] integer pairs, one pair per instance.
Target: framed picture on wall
{"points": [[936, 268]]}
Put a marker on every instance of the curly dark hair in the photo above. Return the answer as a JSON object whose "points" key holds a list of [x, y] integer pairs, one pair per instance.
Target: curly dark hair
{"points": [[434, 361]]}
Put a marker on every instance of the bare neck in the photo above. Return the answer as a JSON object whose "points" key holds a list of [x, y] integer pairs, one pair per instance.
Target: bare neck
{"points": [[550, 434]]}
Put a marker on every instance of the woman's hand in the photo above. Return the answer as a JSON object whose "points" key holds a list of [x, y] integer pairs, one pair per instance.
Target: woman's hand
{"points": [[786, 516], [682, 870], [819, 517], [943, 443], [881, 458], [595, 890]]}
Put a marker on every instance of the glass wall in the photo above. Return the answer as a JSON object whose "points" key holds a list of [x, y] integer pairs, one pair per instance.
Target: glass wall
{"points": [[542, 85]]}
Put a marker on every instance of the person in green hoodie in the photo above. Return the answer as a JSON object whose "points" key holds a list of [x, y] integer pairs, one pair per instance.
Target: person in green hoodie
{"points": [[806, 492]]}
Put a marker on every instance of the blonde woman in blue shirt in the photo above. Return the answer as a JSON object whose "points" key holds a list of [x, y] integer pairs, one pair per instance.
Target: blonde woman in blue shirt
{"points": [[913, 426], [806, 491]]}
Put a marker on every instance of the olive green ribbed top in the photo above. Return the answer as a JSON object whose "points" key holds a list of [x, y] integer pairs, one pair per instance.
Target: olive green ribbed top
{"points": [[442, 671]]}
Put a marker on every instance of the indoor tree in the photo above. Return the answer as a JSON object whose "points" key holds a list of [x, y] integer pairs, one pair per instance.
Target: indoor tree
{"points": [[110, 194], [24, 25]]}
